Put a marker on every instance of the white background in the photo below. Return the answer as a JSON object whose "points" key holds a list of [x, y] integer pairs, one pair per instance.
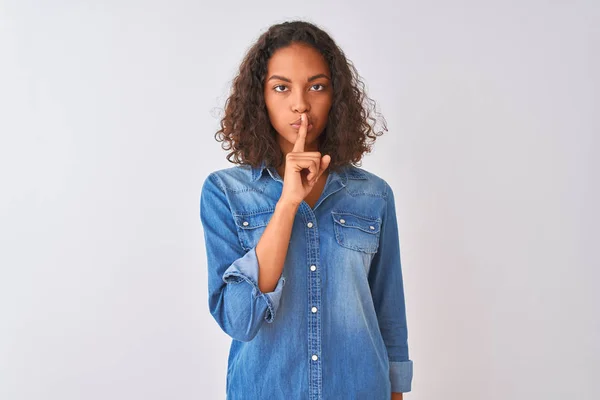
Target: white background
{"points": [[107, 116]]}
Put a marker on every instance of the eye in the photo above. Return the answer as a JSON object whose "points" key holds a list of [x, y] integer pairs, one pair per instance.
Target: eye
{"points": [[322, 87], [279, 86]]}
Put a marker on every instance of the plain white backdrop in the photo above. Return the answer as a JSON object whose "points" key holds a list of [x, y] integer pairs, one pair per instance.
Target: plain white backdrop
{"points": [[107, 116]]}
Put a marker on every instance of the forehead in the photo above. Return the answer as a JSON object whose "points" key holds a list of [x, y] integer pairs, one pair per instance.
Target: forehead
{"points": [[298, 60]]}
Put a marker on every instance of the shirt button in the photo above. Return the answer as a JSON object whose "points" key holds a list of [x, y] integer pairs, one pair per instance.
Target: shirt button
{"points": [[313, 267], [372, 227], [343, 221], [310, 224], [314, 357], [245, 223], [314, 309]]}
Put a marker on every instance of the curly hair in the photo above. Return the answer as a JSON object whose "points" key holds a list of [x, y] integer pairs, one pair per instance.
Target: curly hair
{"points": [[245, 128]]}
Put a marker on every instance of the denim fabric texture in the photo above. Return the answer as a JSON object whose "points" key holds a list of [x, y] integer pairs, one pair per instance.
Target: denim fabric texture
{"points": [[335, 325]]}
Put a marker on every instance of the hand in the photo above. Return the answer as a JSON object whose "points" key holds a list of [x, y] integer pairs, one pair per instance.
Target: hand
{"points": [[296, 183]]}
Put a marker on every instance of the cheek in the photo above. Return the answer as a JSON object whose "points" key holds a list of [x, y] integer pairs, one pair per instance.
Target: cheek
{"points": [[273, 109], [322, 107], [323, 101]]}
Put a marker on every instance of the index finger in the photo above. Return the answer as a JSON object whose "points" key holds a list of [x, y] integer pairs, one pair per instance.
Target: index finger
{"points": [[301, 138]]}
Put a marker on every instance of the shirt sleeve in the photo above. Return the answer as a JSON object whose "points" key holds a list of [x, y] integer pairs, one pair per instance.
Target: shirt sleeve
{"points": [[386, 283], [234, 298]]}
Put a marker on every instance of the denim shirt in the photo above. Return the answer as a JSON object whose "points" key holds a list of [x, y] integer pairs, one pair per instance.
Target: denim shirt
{"points": [[334, 327]]}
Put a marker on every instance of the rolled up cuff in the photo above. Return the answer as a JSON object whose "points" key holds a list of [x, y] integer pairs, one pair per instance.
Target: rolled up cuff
{"points": [[401, 373], [246, 269]]}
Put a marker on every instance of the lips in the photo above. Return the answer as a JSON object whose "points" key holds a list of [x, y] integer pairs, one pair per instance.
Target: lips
{"points": [[297, 127], [298, 122]]}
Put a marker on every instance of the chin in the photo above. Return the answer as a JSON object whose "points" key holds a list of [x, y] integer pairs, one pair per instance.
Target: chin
{"points": [[307, 141], [291, 134]]}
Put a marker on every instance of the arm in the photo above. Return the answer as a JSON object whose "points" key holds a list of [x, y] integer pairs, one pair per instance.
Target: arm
{"points": [[236, 300], [396, 396], [386, 283], [272, 247]]}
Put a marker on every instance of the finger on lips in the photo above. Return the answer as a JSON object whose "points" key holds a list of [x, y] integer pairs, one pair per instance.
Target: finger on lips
{"points": [[310, 160], [301, 138]]}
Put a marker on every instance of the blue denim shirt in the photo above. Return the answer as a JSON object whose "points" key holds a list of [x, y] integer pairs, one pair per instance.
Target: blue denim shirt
{"points": [[334, 327]]}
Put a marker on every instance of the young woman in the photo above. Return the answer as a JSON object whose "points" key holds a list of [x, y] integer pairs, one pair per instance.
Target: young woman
{"points": [[302, 246]]}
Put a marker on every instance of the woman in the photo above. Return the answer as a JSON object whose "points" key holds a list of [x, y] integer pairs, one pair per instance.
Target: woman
{"points": [[302, 246]]}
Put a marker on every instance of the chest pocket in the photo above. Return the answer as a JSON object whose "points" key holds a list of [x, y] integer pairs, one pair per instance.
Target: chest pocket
{"points": [[356, 232], [251, 226]]}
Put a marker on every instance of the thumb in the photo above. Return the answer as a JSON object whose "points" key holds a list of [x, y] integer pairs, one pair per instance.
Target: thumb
{"points": [[325, 160]]}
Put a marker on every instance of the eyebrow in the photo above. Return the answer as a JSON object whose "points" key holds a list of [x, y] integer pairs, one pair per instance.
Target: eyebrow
{"points": [[312, 78]]}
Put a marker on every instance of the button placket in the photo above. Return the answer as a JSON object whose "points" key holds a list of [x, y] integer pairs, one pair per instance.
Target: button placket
{"points": [[314, 301]]}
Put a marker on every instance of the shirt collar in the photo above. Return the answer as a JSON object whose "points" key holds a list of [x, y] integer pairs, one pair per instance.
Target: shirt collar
{"points": [[346, 172]]}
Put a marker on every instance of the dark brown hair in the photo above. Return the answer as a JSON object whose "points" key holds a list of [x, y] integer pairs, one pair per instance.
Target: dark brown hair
{"points": [[246, 128]]}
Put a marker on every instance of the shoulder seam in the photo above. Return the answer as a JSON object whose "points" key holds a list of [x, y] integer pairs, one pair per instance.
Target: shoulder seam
{"points": [[387, 188], [217, 180]]}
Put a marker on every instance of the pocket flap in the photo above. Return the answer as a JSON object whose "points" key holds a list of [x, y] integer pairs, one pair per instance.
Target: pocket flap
{"points": [[253, 220], [350, 220]]}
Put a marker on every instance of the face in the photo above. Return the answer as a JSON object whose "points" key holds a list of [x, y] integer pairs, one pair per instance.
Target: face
{"points": [[298, 81]]}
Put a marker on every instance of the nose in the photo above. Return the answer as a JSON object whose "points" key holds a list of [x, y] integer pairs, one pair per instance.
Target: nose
{"points": [[299, 102]]}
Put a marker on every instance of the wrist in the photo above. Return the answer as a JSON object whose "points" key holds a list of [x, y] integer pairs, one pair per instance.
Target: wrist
{"points": [[287, 205]]}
